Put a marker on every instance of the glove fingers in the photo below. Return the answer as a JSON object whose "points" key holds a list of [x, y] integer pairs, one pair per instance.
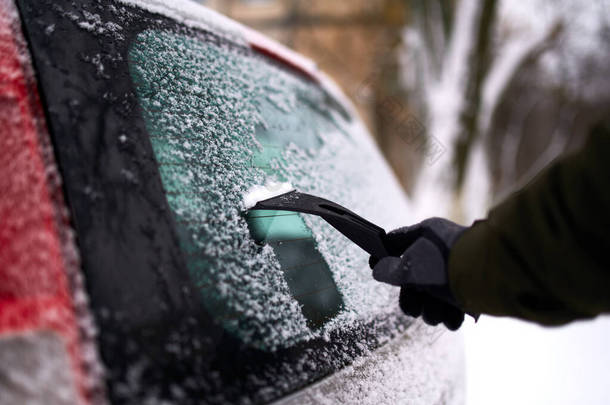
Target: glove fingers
{"points": [[436, 311], [426, 264], [389, 270], [411, 302], [399, 240], [453, 317], [433, 311], [415, 304], [373, 260]]}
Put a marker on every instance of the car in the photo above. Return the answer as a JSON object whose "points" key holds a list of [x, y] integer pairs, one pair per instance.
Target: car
{"points": [[131, 270]]}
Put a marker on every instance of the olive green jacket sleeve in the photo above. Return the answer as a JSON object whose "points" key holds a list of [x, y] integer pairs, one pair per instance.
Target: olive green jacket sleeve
{"points": [[544, 253]]}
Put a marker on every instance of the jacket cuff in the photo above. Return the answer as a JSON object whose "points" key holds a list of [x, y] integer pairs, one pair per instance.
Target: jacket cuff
{"points": [[468, 262]]}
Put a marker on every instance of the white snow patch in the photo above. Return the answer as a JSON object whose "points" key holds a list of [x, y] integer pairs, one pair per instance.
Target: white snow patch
{"points": [[560, 366], [269, 190]]}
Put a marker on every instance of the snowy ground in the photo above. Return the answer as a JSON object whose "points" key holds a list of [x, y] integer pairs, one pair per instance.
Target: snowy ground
{"points": [[515, 362]]}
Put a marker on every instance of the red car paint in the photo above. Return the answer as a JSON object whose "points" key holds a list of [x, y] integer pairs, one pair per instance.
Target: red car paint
{"points": [[35, 244]]}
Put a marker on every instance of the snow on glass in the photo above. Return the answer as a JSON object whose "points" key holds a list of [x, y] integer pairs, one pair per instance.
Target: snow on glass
{"points": [[222, 120], [263, 192]]}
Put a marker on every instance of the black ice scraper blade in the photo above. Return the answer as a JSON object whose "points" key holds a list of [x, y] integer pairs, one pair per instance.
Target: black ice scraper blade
{"points": [[363, 233]]}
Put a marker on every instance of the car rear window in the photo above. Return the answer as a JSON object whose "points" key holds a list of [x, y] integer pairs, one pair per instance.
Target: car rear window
{"points": [[159, 129], [219, 119]]}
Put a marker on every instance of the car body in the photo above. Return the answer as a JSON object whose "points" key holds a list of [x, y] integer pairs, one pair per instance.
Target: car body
{"points": [[140, 277]]}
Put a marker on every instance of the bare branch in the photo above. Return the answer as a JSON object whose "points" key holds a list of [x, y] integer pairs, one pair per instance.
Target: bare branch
{"points": [[478, 66], [517, 56]]}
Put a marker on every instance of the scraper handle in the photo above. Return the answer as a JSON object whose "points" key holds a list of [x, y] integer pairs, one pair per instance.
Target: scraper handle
{"points": [[363, 233]]}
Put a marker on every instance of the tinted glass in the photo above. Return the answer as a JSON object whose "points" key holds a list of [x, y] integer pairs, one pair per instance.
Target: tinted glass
{"points": [[200, 106]]}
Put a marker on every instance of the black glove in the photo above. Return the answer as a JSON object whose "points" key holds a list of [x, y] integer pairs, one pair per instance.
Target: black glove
{"points": [[418, 264]]}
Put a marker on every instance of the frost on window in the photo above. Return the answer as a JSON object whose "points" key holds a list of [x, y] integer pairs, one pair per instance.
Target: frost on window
{"points": [[221, 120]]}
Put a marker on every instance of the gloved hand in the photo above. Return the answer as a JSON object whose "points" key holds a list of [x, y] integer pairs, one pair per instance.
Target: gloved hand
{"points": [[419, 262]]}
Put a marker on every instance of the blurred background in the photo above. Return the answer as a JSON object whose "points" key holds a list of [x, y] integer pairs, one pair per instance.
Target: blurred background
{"points": [[468, 100]]}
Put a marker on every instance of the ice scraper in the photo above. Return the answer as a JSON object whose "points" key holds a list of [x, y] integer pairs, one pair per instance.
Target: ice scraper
{"points": [[363, 233]]}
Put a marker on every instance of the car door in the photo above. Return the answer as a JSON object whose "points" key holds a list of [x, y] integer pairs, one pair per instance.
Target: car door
{"points": [[162, 117]]}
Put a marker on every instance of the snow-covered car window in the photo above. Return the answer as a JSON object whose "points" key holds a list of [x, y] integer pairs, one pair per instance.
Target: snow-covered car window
{"points": [[159, 128], [220, 121]]}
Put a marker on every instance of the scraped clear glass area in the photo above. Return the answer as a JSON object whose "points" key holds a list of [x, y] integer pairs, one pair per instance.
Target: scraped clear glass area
{"points": [[305, 269]]}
